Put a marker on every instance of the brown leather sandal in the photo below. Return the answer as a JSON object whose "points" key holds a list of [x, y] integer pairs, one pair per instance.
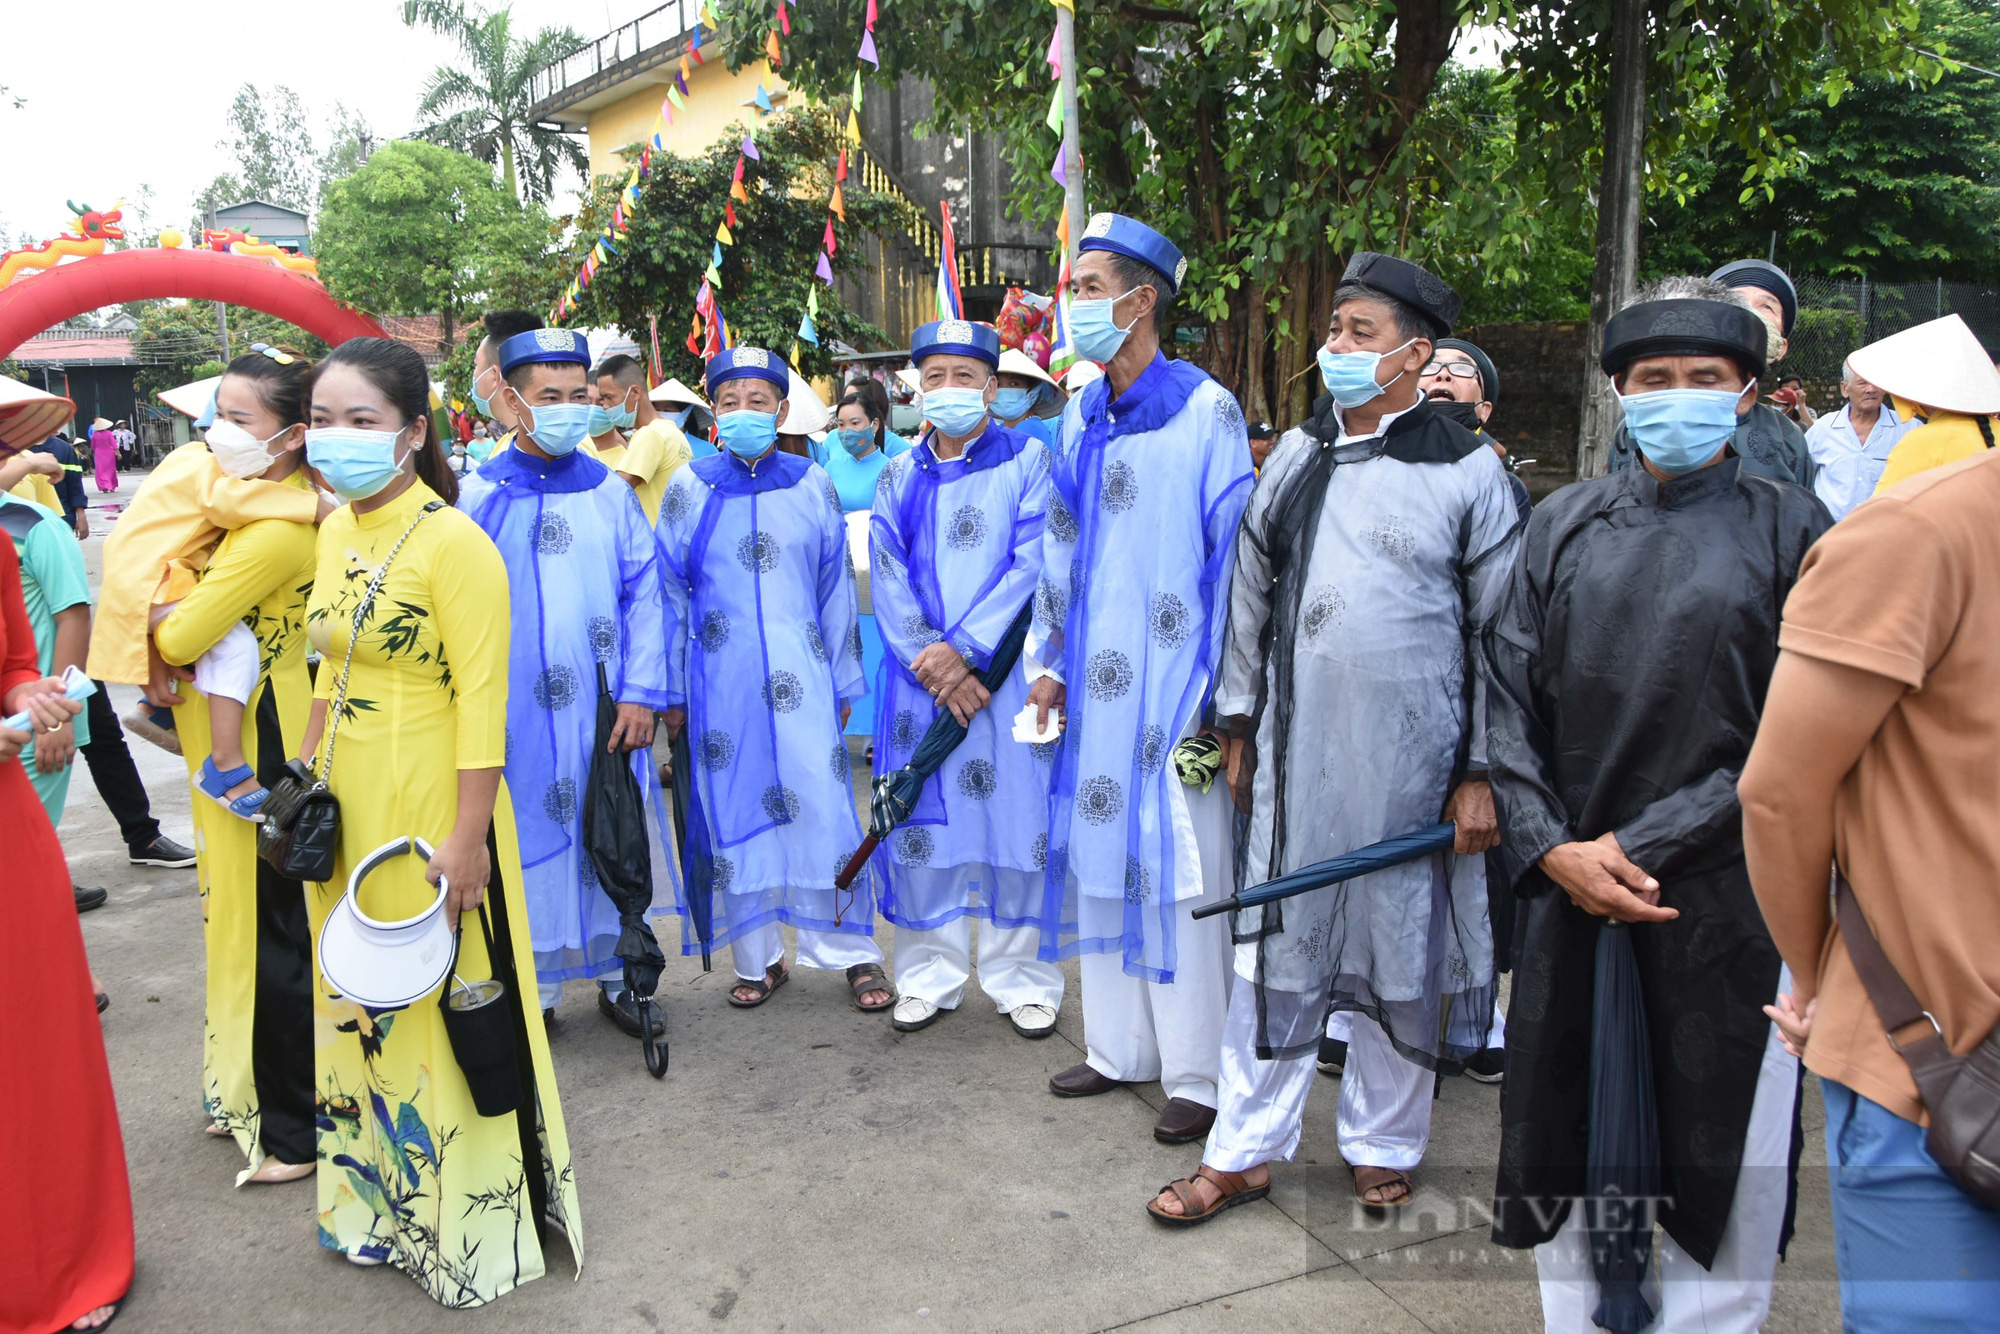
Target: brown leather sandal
{"points": [[1234, 1191], [1382, 1180], [774, 977], [863, 978]]}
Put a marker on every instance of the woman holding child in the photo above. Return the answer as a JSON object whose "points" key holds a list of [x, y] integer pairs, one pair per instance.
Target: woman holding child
{"points": [[257, 1067]]}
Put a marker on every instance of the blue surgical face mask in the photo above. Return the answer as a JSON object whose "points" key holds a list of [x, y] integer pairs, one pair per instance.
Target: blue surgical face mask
{"points": [[480, 401], [955, 410], [678, 416], [480, 447], [747, 434], [1350, 376], [1678, 430], [601, 422], [355, 463], [1013, 404], [857, 442], [558, 428], [1092, 330]]}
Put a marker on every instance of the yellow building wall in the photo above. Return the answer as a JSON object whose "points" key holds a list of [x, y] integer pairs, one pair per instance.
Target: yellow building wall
{"points": [[714, 102]]}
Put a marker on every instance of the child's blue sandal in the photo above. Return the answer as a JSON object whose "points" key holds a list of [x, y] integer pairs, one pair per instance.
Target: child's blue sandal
{"points": [[215, 784]]}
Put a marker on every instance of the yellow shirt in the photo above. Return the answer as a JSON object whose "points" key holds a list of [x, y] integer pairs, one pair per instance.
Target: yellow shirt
{"points": [[1945, 437], [163, 539], [652, 455], [40, 490]]}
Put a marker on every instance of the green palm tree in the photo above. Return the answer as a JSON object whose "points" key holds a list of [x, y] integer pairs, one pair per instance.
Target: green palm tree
{"points": [[481, 107]]}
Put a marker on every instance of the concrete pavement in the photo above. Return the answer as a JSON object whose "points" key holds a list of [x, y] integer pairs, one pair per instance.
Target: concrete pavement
{"points": [[804, 1167]]}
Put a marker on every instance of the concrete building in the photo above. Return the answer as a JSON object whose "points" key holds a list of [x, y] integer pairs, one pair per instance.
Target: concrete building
{"points": [[273, 224]]}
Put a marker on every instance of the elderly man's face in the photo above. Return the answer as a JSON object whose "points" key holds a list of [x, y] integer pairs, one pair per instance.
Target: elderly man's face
{"points": [[1452, 376], [1860, 394], [1650, 375], [749, 394]]}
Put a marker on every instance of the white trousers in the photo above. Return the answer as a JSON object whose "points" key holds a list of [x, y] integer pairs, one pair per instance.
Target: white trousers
{"points": [[1733, 1295], [1337, 1026], [1139, 1031], [756, 950], [612, 979], [935, 965], [229, 669]]}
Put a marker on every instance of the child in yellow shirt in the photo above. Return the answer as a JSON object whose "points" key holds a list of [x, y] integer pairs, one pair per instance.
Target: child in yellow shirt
{"points": [[166, 536]]}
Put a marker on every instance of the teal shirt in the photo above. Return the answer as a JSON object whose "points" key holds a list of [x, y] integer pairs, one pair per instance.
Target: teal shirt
{"points": [[855, 478], [52, 580]]}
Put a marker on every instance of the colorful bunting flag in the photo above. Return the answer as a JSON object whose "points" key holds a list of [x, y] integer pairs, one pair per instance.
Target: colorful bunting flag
{"points": [[869, 22], [750, 149], [1062, 355], [1060, 171], [868, 50], [824, 271], [949, 304], [763, 99], [674, 96], [807, 333], [1055, 117], [837, 205], [829, 245], [771, 49], [722, 234]]}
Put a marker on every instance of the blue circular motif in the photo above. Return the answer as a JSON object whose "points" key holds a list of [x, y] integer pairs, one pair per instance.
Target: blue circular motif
{"points": [[978, 780], [758, 553], [555, 688], [559, 800], [552, 535], [717, 750], [714, 632], [1100, 800], [783, 693]]}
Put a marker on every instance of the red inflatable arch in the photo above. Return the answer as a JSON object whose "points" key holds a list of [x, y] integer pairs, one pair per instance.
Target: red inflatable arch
{"points": [[31, 304]]}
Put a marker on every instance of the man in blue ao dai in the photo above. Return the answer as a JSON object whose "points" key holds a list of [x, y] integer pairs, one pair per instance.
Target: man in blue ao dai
{"points": [[764, 670], [957, 536]]}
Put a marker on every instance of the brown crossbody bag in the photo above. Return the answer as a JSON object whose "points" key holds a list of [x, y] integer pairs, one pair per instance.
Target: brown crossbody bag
{"points": [[1961, 1093]]}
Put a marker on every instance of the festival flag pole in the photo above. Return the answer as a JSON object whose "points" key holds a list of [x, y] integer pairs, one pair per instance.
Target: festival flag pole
{"points": [[950, 304], [1072, 151]]}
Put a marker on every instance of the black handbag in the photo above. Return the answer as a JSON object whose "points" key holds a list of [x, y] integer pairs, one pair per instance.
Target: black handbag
{"points": [[300, 829], [480, 1024]]}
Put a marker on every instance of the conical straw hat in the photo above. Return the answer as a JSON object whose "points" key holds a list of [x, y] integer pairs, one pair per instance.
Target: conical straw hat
{"points": [[1939, 364]]}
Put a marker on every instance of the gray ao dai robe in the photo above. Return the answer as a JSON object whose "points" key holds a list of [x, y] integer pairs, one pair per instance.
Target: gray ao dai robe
{"points": [[1629, 666], [1369, 710]]}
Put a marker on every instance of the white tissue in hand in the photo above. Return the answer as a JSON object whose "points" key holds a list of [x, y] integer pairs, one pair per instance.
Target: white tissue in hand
{"points": [[1025, 730]]}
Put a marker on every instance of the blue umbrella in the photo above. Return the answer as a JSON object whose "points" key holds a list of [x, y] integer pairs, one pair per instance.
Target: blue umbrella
{"points": [[1622, 1163], [1375, 857]]}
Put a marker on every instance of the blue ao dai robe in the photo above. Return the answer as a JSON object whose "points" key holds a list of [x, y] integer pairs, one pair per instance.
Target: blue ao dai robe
{"points": [[587, 586], [1146, 492], [760, 577], [956, 556]]}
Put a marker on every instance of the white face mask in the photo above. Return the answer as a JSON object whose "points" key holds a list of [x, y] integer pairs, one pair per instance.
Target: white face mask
{"points": [[237, 452]]}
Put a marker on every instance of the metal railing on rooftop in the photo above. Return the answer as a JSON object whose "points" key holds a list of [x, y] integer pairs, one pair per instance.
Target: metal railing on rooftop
{"points": [[655, 28]]}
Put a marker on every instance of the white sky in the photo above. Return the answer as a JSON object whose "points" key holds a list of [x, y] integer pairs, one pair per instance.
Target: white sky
{"points": [[125, 93]]}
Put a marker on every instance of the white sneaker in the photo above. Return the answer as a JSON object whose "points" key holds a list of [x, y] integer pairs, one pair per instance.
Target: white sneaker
{"points": [[912, 1013], [1033, 1021]]}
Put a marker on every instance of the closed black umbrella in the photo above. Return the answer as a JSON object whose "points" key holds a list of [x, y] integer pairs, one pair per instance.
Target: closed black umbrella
{"points": [[1622, 1168], [1348, 865], [896, 793], [697, 861], [614, 838]]}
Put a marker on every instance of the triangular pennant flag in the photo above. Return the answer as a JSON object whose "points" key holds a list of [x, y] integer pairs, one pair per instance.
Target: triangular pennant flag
{"points": [[680, 82], [771, 49], [1055, 116], [1070, 5], [795, 354], [1060, 171], [674, 96], [867, 52], [694, 47], [715, 259], [729, 211], [840, 167], [837, 204], [713, 275], [784, 19], [812, 301], [763, 98], [829, 244], [1054, 56], [685, 70], [608, 246], [722, 234], [806, 331], [694, 338], [856, 95], [750, 149], [736, 191], [824, 270], [853, 128], [737, 175], [869, 22]]}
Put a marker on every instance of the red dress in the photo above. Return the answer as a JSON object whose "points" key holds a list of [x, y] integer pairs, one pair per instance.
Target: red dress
{"points": [[66, 1227]]}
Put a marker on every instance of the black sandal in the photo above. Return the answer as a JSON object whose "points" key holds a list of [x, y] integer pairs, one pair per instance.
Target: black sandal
{"points": [[863, 978], [774, 977]]}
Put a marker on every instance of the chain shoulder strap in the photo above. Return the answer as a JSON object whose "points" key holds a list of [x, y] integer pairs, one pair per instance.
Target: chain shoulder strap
{"points": [[339, 704]]}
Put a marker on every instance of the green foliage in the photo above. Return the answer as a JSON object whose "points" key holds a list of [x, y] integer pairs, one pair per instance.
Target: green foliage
{"points": [[178, 339], [10, 368], [272, 141], [421, 229], [766, 274], [1897, 177], [481, 107]]}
